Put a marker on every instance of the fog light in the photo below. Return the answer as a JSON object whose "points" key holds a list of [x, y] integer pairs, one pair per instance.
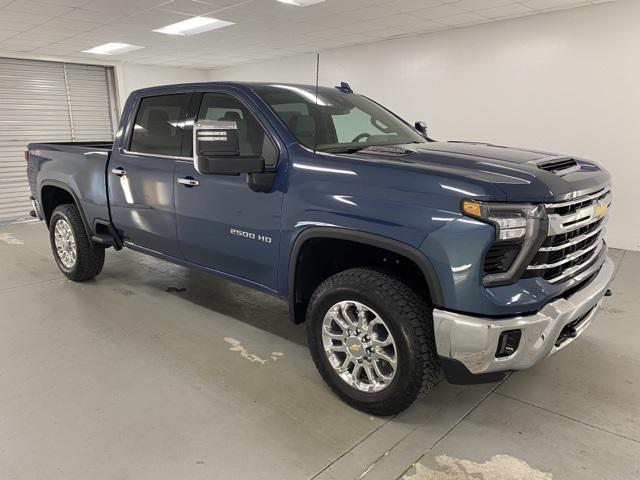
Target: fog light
{"points": [[508, 343]]}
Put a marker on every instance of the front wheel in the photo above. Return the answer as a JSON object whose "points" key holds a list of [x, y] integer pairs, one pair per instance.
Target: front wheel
{"points": [[77, 256], [371, 338]]}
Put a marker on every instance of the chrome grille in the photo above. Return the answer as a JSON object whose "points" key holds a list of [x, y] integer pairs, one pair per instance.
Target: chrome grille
{"points": [[575, 238]]}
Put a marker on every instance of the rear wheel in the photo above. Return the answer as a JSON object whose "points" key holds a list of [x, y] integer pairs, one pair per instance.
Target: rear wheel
{"points": [[371, 338], [77, 256]]}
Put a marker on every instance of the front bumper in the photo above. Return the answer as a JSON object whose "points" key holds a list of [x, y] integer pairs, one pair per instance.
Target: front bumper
{"points": [[473, 341]]}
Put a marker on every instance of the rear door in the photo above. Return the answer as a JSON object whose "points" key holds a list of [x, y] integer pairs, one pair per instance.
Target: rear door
{"points": [[222, 224], [141, 175]]}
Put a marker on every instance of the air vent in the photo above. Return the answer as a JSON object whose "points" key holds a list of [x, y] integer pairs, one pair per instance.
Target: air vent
{"points": [[500, 257], [570, 330], [559, 166]]}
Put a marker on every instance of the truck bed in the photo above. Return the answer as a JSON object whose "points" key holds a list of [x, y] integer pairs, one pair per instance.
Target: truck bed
{"points": [[78, 168]]}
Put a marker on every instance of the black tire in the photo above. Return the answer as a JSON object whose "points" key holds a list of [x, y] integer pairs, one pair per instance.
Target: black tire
{"points": [[410, 321], [89, 255]]}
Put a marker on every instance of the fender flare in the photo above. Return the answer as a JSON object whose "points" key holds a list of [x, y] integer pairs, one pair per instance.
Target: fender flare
{"points": [[69, 190], [395, 246]]}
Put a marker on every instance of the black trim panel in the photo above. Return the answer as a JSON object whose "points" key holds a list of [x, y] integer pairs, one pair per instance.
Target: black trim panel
{"points": [[66, 188], [369, 239], [116, 242], [457, 374]]}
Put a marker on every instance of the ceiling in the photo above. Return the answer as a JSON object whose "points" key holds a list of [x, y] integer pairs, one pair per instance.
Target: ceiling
{"points": [[264, 29]]}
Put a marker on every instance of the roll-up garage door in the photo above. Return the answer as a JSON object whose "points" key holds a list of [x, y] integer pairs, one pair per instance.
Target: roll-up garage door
{"points": [[47, 102]]}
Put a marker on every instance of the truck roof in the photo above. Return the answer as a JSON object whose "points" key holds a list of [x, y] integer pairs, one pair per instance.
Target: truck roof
{"points": [[177, 87]]}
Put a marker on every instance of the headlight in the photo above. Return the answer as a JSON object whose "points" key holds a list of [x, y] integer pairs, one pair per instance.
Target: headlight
{"points": [[520, 230]]}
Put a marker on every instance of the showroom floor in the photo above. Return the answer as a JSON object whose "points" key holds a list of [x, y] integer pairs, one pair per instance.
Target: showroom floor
{"points": [[155, 371]]}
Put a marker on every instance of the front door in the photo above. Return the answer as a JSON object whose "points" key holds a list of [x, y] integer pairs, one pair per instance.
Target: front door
{"points": [[222, 224], [141, 176]]}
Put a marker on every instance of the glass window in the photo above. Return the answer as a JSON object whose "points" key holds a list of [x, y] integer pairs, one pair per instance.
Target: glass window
{"points": [[286, 111], [159, 125], [220, 106], [335, 120], [358, 123]]}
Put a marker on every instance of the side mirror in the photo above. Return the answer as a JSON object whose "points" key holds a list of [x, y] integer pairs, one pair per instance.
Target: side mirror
{"points": [[216, 150], [421, 127]]}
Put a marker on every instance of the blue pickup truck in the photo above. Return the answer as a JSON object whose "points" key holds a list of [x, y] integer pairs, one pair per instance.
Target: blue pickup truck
{"points": [[406, 257]]}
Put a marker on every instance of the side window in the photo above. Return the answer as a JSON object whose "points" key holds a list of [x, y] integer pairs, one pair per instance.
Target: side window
{"points": [[158, 128], [253, 140]]}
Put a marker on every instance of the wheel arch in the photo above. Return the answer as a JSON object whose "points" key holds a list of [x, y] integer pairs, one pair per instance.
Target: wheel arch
{"points": [[413, 255], [52, 194]]}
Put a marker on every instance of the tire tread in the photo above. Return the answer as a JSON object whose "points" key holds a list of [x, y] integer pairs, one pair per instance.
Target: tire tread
{"points": [[413, 310], [90, 256]]}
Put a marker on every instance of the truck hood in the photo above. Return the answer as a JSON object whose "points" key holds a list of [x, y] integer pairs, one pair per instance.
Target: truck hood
{"points": [[523, 175]]}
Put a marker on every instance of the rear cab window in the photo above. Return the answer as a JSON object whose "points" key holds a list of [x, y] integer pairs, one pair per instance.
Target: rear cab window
{"points": [[159, 126]]}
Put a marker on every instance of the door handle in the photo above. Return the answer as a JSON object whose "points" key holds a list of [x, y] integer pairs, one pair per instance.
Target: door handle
{"points": [[188, 182], [121, 172]]}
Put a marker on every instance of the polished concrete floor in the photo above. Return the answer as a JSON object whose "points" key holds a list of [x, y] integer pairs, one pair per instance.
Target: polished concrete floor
{"points": [[153, 371]]}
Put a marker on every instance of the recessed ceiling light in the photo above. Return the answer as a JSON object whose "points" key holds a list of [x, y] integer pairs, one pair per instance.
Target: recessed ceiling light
{"points": [[113, 48], [193, 26], [301, 3]]}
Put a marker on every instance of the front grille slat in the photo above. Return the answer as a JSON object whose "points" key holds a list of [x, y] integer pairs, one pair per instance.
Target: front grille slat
{"points": [[555, 256], [564, 272], [576, 237], [566, 258], [571, 206], [564, 240]]}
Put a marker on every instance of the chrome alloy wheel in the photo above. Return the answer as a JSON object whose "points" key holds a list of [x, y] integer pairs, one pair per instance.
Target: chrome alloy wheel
{"points": [[359, 346], [65, 243]]}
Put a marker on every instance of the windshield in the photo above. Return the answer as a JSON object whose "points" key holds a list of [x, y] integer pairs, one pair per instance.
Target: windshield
{"points": [[337, 121]]}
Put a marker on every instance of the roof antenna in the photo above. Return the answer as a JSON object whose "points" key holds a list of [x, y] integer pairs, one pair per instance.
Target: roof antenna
{"points": [[315, 132], [344, 87]]}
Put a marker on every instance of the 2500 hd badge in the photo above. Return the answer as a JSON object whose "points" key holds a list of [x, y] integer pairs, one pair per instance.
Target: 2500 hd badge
{"points": [[249, 235]]}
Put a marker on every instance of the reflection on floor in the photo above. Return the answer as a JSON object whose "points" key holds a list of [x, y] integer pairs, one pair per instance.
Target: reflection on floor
{"points": [[154, 371]]}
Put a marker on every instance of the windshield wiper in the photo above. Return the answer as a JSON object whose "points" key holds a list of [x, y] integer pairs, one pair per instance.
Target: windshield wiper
{"points": [[344, 149], [372, 147]]}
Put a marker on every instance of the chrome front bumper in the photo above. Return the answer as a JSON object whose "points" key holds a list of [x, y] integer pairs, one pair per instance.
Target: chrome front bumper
{"points": [[473, 341]]}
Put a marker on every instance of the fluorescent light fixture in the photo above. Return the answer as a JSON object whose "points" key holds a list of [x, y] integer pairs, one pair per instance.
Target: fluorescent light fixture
{"points": [[113, 48], [300, 3], [193, 26]]}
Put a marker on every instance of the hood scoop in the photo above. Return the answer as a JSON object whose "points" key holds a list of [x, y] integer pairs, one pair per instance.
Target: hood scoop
{"points": [[560, 166]]}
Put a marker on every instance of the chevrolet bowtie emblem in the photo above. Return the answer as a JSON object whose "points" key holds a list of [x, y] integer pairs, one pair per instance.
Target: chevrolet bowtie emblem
{"points": [[354, 348], [601, 210]]}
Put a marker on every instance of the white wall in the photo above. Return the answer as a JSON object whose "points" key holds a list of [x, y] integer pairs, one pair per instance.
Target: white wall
{"points": [[566, 82], [130, 77]]}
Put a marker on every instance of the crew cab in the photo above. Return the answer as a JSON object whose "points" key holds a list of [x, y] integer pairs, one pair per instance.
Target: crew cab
{"points": [[406, 257]]}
